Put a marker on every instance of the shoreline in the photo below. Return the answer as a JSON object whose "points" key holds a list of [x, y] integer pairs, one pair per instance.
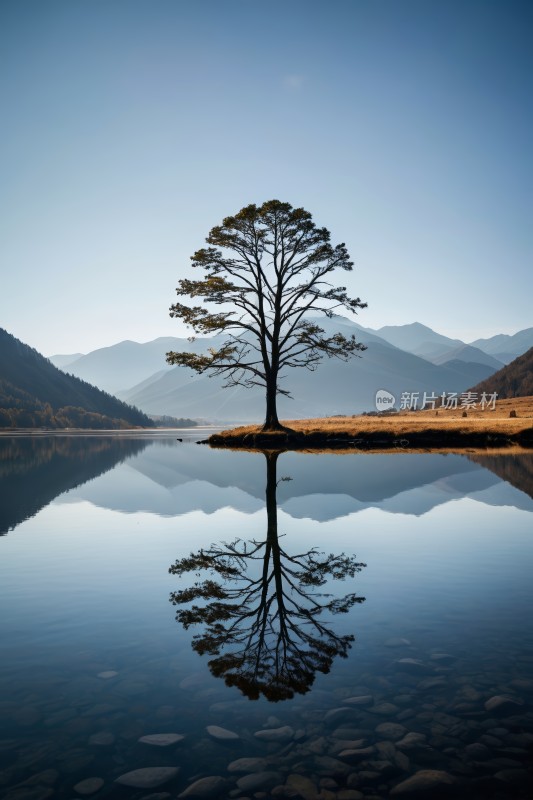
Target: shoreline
{"points": [[429, 439], [38, 432], [510, 424]]}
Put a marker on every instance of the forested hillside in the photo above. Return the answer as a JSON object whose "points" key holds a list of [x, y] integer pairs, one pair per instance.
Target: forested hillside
{"points": [[34, 393], [514, 380]]}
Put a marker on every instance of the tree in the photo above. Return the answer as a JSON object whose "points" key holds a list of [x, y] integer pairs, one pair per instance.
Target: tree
{"points": [[268, 268], [260, 609]]}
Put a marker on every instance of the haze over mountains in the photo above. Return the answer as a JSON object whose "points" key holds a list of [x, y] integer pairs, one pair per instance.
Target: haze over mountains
{"points": [[404, 358], [507, 348]]}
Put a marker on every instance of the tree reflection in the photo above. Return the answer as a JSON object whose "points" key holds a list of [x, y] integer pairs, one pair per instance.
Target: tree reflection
{"points": [[260, 609]]}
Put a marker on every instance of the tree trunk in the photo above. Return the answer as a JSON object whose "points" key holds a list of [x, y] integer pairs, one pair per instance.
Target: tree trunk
{"points": [[272, 422], [273, 546], [270, 494]]}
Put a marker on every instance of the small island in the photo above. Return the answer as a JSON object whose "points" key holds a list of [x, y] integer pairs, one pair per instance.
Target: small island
{"points": [[510, 423]]}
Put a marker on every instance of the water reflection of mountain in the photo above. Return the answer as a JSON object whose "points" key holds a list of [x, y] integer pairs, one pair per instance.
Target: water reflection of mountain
{"points": [[176, 480], [34, 471], [516, 471]]}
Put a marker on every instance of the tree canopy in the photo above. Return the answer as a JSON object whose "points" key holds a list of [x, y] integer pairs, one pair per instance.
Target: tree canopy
{"points": [[267, 280]]}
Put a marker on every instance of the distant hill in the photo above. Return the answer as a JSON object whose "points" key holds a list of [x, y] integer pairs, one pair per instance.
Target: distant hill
{"points": [[427, 343], [63, 361], [35, 393], [514, 380], [504, 347], [469, 354], [163, 421], [415, 338], [119, 367]]}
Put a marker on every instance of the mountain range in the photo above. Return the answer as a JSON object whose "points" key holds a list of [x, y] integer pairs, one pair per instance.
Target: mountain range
{"points": [[404, 358]]}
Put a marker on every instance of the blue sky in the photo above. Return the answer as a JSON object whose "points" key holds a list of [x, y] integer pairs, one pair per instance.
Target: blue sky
{"points": [[130, 128]]}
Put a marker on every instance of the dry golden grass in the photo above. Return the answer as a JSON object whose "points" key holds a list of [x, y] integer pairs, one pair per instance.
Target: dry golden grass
{"points": [[406, 422]]}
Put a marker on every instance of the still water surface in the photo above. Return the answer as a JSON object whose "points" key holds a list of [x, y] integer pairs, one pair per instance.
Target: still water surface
{"points": [[352, 626]]}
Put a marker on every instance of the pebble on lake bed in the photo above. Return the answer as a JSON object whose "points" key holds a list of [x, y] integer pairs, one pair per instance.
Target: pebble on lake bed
{"points": [[147, 777], [503, 704], [248, 765], [385, 709], [302, 786], [259, 781], [423, 783], [412, 740], [89, 786], [443, 658], [359, 700], [283, 734], [391, 730], [210, 786], [357, 754], [222, 734], [161, 739], [413, 666]]}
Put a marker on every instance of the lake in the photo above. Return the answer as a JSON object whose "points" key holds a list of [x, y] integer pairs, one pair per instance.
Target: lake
{"points": [[181, 621]]}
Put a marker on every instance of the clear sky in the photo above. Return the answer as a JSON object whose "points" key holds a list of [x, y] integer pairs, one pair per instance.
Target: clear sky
{"points": [[129, 128]]}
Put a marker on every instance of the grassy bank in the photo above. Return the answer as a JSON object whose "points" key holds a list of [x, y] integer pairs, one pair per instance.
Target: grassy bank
{"points": [[410, 429]]}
